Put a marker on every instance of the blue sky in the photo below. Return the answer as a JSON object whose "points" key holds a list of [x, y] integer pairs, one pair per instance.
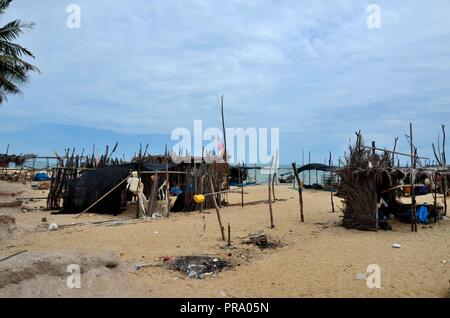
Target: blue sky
{"points": [[136, 70]]}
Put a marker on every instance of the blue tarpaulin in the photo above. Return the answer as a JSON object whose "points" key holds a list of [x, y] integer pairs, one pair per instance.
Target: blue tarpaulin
{"points": [[41, 177], [422, 214]]}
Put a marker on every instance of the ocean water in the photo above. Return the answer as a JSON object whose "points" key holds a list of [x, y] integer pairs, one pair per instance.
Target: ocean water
{"points": [[308, 177], [36, 164]]}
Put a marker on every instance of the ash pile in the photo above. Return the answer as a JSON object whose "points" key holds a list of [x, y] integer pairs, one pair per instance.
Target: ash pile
{"points": [[198, 266], [261, 240]]}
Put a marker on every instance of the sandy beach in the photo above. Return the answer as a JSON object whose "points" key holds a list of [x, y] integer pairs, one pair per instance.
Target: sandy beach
{"points": [[318, 258]]}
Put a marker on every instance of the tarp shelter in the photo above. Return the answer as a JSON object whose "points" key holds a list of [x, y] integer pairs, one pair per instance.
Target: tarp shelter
{"points": [[94, 184]]}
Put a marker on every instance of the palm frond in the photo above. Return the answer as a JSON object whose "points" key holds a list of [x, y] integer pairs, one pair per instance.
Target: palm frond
{"points": [[13, 30], [14, 49], [14, 71], [17, 62], [7, 86], [4, 4]]}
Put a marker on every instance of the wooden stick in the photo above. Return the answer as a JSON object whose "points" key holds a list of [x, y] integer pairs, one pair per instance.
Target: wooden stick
{"points": [[202, 180], [37, 198], [272, 225], [224, 131], [223, 191], [394, 152], [167, 187], [229, 235], [163, 171], [444, 190], [104, 196], [435, 198], [331, 184], [273, 186], [270, 202], [300, 191], [413, 167], [15, 254], [242, 188], [222, 230]]}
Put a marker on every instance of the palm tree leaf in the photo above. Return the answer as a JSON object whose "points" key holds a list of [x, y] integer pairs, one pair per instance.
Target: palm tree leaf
{"points": [[13, 70], [13, 30], [8, 86], [9, 48], [14, 73], [17, 62], [3, 5]]}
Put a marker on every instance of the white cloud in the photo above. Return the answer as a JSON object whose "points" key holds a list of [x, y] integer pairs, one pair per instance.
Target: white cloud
{"points": [[148, 67]]}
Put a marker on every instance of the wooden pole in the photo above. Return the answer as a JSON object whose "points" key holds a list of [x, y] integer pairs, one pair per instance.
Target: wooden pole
{"points": [[273, 186], [104, 196], [394, 152], [413, 196], [242, 188], [167, 186], [309, 171], [242, 196], [15, 254], [435, 198], [300, 191], [270, 201], [444, 190], [222, 230], [331, 184], [272, 225], [229, 235], [202, 180], [223, 128]]}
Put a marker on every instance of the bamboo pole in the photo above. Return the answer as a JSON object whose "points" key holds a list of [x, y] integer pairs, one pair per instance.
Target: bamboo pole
{"points": [[222, 230], [300, 191]]}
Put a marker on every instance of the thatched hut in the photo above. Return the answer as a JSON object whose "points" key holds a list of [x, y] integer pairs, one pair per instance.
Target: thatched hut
{"points": [[364, 180]]}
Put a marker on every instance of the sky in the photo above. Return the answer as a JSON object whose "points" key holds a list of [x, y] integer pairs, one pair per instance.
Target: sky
{"points": [[136, 70]]}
